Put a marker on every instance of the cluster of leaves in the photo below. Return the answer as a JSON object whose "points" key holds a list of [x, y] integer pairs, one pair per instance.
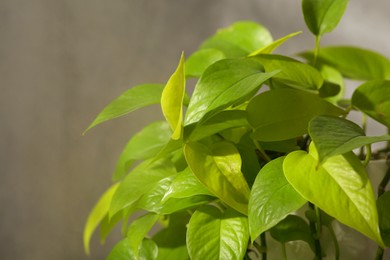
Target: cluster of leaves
{"points": [[231, 162]]}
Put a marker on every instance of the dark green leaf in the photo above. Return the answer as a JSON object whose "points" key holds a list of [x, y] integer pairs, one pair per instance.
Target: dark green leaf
{"points": [[213, 234], [282, 114], [122, 251], [292, 228], [218, 167], [292, 73], [322, 16], [143, 145], [97, 214], [353, 62], [135, 98], [198, 62], [225, 83], [284, 146], [334, 136], [383, 204], [239, 39], [326, 220], [334, 81], [349, 195], [172, 100], [272, 198], [373, 98]]}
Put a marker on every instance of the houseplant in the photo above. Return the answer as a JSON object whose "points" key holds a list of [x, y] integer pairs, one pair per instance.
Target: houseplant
{"points": [[261, 151]]}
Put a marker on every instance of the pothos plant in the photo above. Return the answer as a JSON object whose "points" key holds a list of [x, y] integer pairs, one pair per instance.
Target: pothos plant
{"points": [[262, 137]]}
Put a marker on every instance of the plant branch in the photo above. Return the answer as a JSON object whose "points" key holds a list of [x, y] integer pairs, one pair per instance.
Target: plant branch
{"points": [[384, 182], [263, 245], [263, 154], [313, 230], [335, 242]]}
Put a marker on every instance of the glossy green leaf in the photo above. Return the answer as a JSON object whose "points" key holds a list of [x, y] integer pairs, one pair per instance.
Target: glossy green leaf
{"points": [[383, 204], [223, 120], [185, 185], [138, 230], [239, 39], [225, 83], [292, 228], [143, 145], [334, 136], [250, 165], [135, 98], [272, 198], [274, 45], [282, 114], [322, 16], [139, 181], [122, 251], [293, 73], [97, 214], [171, 240], [198, 62], [349, 195], [373, 98], [218, 167], [213, 234], [172, 100], [353, 62]]}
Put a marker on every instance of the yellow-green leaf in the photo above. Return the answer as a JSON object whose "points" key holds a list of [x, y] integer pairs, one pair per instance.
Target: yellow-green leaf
{"points": [[172, 100], [274, 45]]}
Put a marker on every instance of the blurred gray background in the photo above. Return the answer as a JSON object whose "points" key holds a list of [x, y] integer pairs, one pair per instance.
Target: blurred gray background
{"points": [[61, 62]]}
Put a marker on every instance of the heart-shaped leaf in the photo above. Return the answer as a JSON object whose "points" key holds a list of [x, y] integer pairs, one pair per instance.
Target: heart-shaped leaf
{"points": [[218, 167], [282, 114], [333, 136], [225, 83], [239, 39], [172, 100], [348, 193], [198, 62], [272, 198], [373, 98], [353, 62], [274, 45], [213, 234], [143, 145], [322, 16], [135, 98]]}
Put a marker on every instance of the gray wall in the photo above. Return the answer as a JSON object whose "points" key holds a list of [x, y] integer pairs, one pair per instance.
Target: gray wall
{"points": [[62, 61]]}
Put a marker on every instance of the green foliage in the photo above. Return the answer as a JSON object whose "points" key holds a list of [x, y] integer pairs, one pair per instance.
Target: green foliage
{"points": [[231, 165]]}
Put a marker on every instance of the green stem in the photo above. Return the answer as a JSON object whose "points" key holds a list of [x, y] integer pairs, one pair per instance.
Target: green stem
{"points": [[316, 50], [335, 242], [319, 221], [364, 127], [263, 154], [263, 245], [317, 244], [368, 155], [384, 182], [379, 253], [388, 142], [284, 251]]}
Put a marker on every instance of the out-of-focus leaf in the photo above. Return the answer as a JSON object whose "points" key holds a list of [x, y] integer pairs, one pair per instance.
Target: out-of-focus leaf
{"points": [[122, 251], [135, 98], [383, 204], [172, 100], [213, 234], [197, 63]]}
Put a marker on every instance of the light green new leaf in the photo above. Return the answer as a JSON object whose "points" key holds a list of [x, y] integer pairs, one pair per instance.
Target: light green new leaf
{"points": [[334, 136], [138, 230], [122, 251], [239, 39], [282, 114], [213, 234], [322, 16], [293, 73], [383, 204], [373, 99], [340, 187], [225, 83], [198, 62], [172, 100], [218, 167], [135, 98], [292, 228], [97, 214], [139, 181], [272, 198], [274, 45], [223, 120], [185, 185], [143, 145], [353, 62]]}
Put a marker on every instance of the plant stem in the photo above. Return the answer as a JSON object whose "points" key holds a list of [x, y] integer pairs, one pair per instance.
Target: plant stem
{"points": [[384, 182], [368, 155], [316, 50], [379, 253], [317, 243], [335, 242], [263, 245], [284, 251], [319, 222], [263, 154], [364, 127]]}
